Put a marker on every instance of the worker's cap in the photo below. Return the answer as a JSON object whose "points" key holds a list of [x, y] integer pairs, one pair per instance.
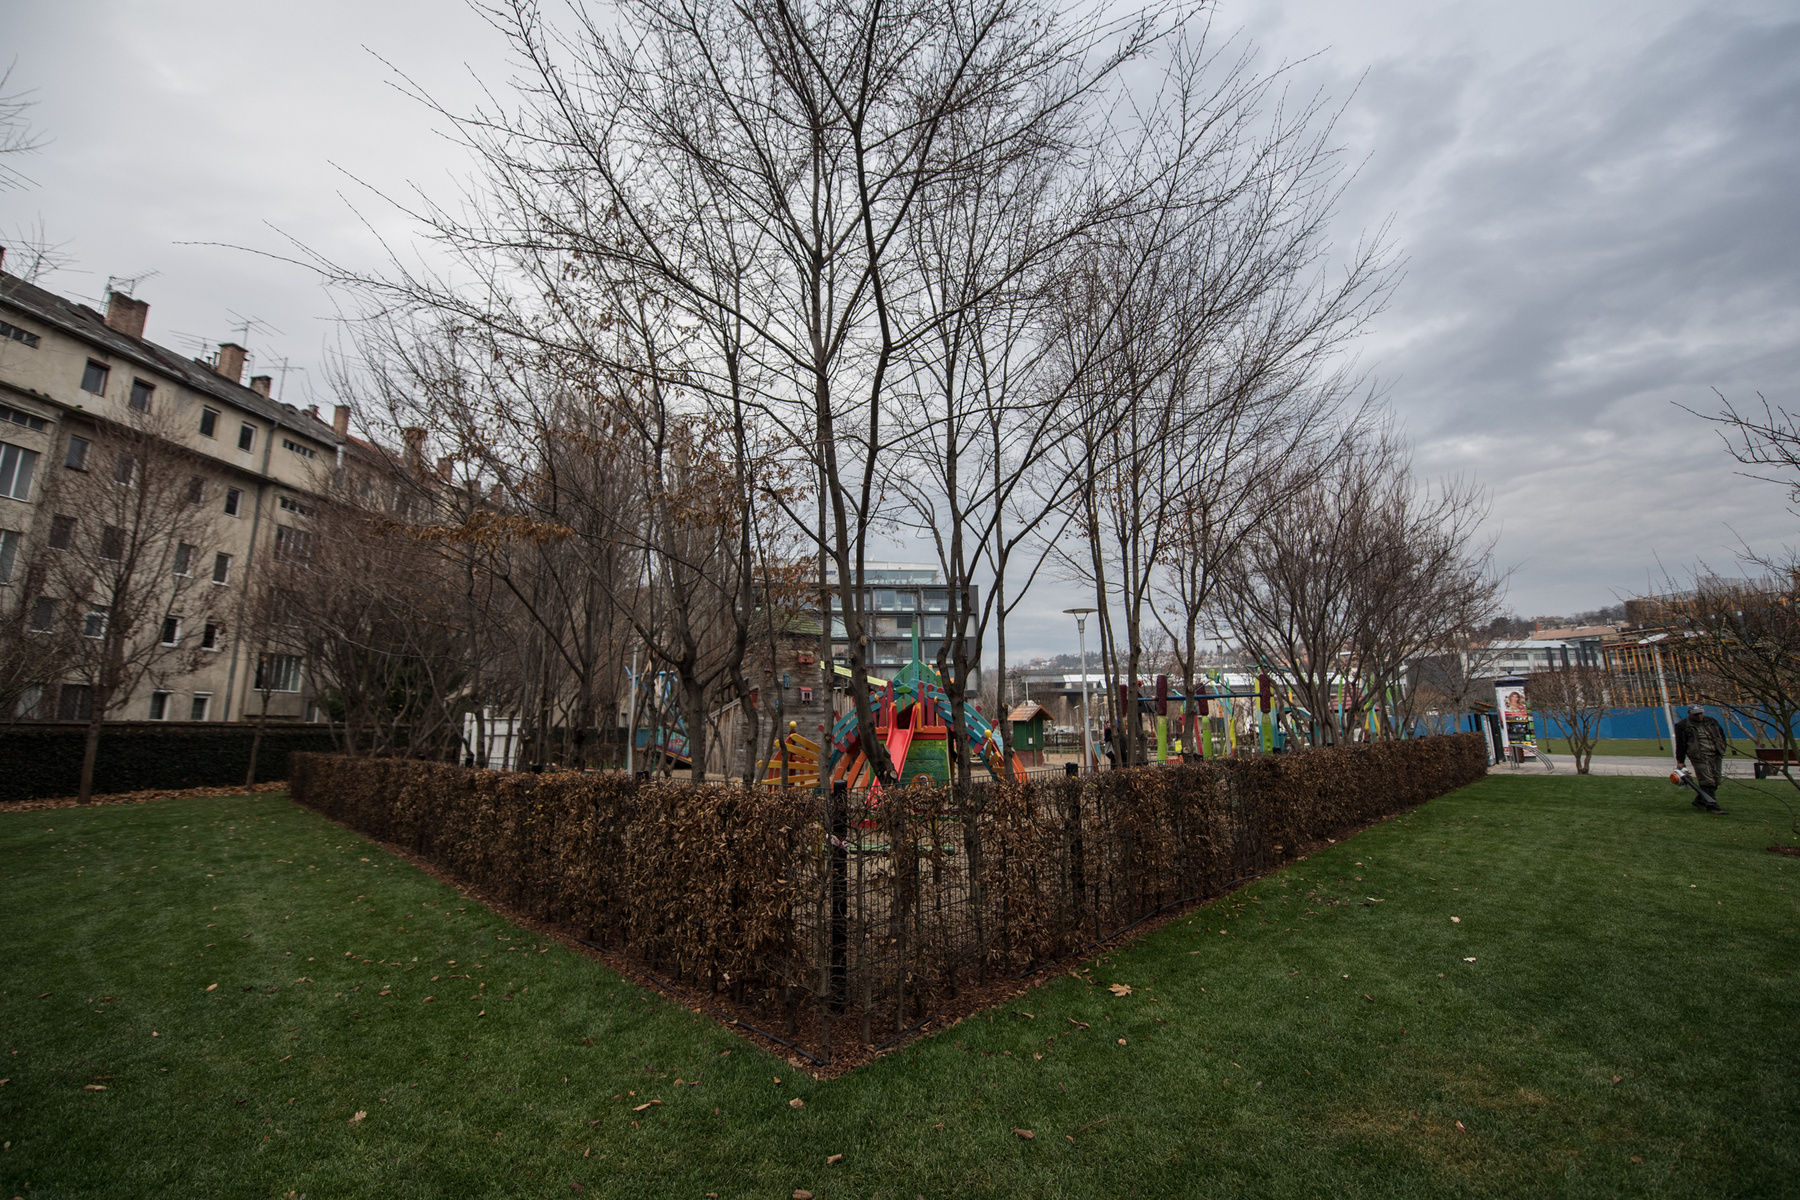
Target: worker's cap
{"points": [[1697, 709]]}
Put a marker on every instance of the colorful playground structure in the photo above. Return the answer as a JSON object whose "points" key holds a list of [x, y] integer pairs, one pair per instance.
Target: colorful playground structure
{"points": [[913, 720]]}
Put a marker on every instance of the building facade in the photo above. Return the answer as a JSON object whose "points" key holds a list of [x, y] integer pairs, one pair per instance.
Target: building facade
{"points": [[70, 377]]}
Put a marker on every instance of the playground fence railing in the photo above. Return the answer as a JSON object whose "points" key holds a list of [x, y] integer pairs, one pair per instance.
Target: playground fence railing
{"points": [[828, 919]]}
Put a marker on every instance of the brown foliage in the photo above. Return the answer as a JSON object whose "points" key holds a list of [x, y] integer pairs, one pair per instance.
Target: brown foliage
{"points": [[909, 903]]}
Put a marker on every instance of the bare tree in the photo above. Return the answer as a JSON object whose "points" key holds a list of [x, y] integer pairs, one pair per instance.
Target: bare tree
{"points": [[16, 135], [1578, 698], [1356, 576], [132, 577]]}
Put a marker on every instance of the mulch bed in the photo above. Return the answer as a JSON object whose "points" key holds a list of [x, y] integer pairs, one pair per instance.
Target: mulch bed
{"points": [[1790, 851], [143, 797]]}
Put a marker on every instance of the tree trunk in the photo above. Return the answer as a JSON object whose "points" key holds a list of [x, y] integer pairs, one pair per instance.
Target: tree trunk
{"points": [[90, 752]]}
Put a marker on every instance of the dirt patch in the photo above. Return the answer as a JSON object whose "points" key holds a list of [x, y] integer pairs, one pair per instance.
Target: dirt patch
{"points": [[143, 797], [1790, 851]]}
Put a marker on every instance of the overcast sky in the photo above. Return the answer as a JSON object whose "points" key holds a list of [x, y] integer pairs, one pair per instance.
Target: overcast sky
{"points": [[1599, 205]]}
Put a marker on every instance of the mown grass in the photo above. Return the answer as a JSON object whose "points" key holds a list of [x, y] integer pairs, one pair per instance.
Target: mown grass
{"points": [[1322, 1033]]}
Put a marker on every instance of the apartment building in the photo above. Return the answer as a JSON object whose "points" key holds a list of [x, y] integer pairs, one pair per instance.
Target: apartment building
{"points": [[68, 375]]}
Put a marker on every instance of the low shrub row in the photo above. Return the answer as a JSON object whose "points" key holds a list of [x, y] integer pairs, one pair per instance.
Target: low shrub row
{"points": [[38, 761], [880, 911]]}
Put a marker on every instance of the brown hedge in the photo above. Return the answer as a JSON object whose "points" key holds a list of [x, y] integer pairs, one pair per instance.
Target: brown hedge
{"points": [[797, 905]]}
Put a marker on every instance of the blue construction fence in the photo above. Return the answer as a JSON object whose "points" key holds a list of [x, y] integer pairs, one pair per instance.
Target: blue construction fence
{"points": [[1642, 723]]}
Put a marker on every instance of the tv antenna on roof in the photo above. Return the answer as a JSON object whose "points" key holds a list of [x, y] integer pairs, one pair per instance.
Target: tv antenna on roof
{"points": [[284, 366], [126, 284], [246, 325]]}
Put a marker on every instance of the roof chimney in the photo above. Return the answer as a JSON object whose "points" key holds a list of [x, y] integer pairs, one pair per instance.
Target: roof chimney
{"points": [[262, 384], [231, 361], [311, 410], [415, 445], [340, 420], [125, 315], [444, 463]]}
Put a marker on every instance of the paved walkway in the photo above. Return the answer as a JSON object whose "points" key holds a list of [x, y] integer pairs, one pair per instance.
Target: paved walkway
{"points": [[1619, 764]]}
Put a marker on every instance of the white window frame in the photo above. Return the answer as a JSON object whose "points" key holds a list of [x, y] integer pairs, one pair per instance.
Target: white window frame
{"points": [[234, 502], [221, 559], [210, 636], [95, 612], [105, 377], [9, 553], [202, 700], [159, 705], [165, 641], [18, 466]]}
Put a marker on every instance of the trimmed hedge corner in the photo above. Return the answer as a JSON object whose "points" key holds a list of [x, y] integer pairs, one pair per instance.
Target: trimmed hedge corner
{"points": [[882, 912], [41, 761]]}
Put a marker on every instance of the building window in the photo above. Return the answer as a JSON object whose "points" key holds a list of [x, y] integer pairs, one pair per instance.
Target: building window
{"points": [[184, 558], [234, 501], [937, 600], [289, 504], [140, 395], [62, 532], [124, 469], [16, 467], [22, 418], [209, 422], [9, 551], [31, 702], [934, 626], [246, 436], [159, 706], [202, 702], [278, 673], [293, 545], [209, 636], [95, 624], [15, 334], [171, 631], [43, 615], [112, 543], [221, 568], [297, 448], [75, 702], [93, 379], [76, 458], [196, 493]]}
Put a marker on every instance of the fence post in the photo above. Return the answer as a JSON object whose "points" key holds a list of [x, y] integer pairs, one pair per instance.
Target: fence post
{"points": [[838, 864]]}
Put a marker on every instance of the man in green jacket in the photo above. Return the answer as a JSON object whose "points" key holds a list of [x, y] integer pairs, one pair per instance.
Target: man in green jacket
{"points": [[1700, 741]]}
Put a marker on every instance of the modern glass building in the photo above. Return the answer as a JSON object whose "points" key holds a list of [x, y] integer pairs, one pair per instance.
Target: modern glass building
{"points": [[899, 598]]}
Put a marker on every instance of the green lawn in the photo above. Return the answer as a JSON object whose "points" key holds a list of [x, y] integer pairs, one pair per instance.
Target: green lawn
{"points": [[1632, 995]]}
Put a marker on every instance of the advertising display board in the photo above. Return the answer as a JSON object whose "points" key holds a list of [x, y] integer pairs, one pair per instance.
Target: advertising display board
{"points": [[1515, 716]]}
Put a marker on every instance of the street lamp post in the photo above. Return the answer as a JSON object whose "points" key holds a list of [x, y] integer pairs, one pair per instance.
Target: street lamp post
{"points": [[1087, 730]]}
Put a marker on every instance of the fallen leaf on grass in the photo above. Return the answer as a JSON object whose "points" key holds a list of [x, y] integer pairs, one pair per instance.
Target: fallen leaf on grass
{"points": [[796, 1102], [1636, 1159], [1119, 989], [1468, 960], [1025, 1134], [359, 1116], [1078, 1024], [1459, 1125], [212, 987], [96, 1087], [575, 1185], [1458, 920], [802, 1194], [832, 1160], [1121, 1041], [648, 1104], [1616, 1079]]}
